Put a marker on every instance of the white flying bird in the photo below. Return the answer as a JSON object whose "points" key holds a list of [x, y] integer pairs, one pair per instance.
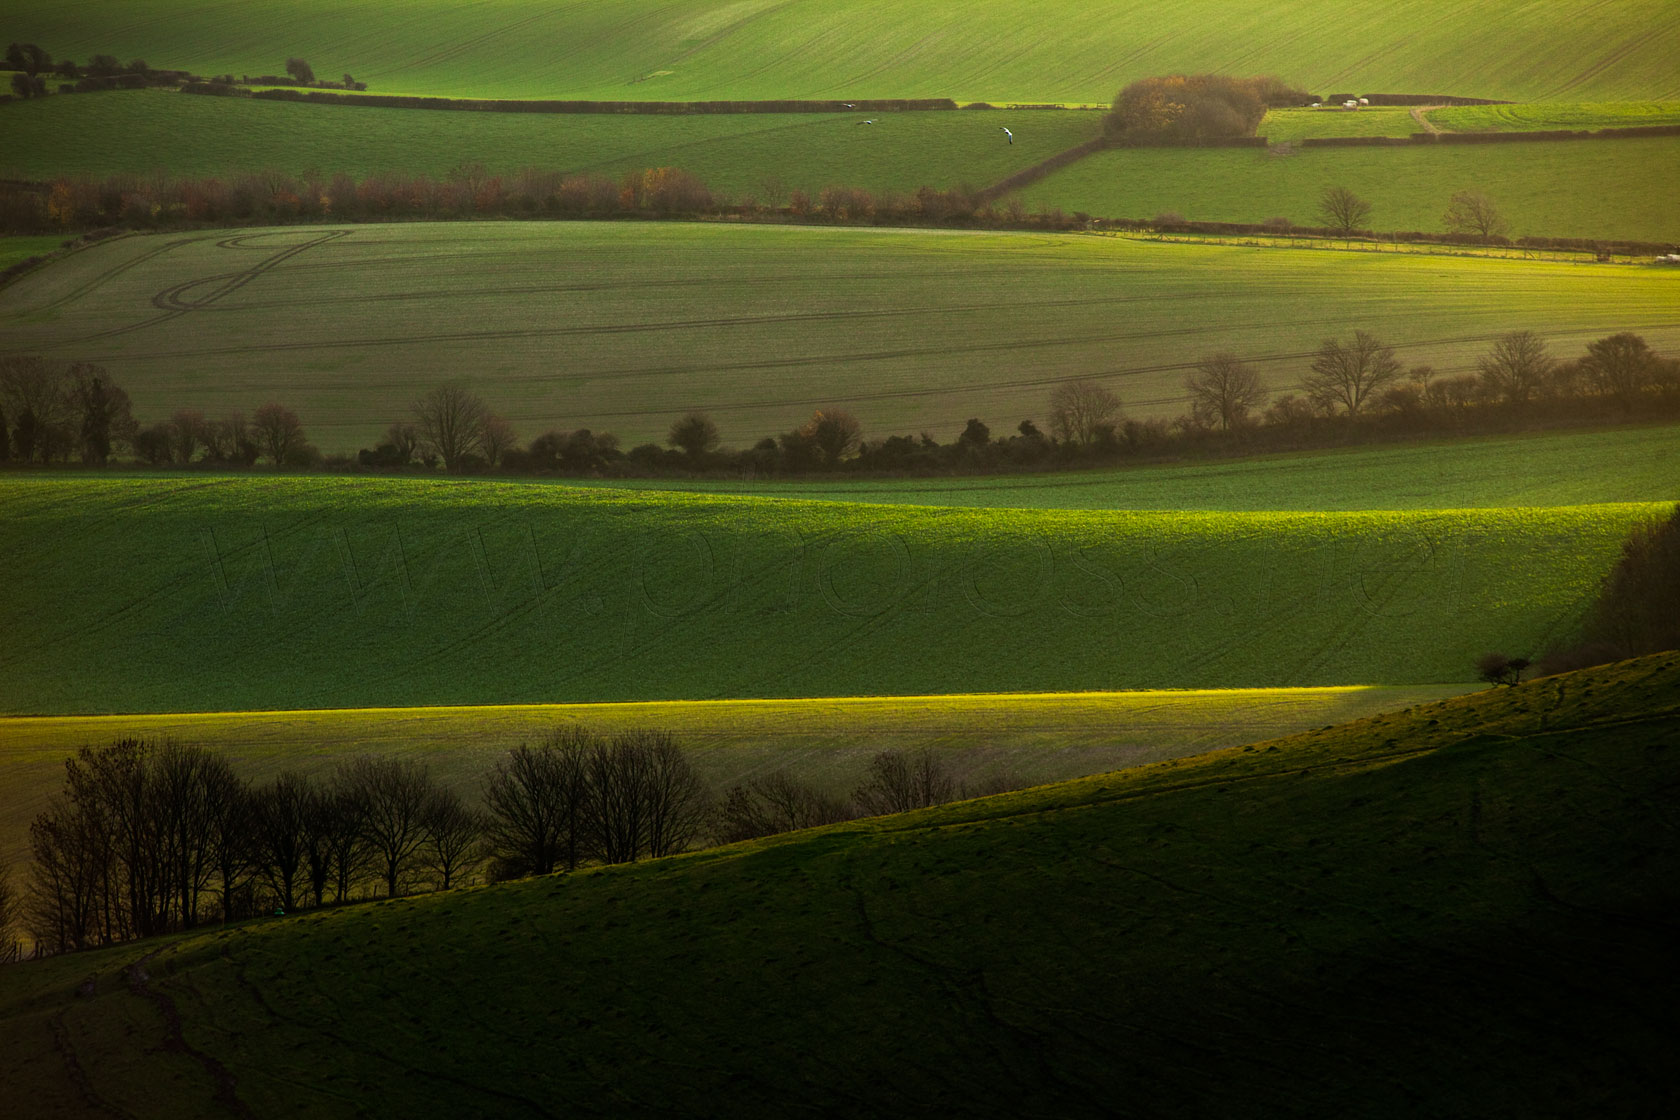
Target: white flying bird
{"points": [[847, 104], [1008, 133], [871, 120]]}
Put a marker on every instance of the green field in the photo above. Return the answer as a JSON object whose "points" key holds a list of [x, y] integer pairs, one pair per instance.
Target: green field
{"points": [[624, 326], [1554, 469], [1466, 909], [199, 593], [1543, 115], [1297, 124], [15, 249], [145, 131], [1561, 188], [1023, 739], [1003, 50]]}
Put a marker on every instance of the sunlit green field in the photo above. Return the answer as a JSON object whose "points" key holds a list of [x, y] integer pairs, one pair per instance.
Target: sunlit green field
{"points": [[144, 131], [1543, 115], [1296, 124], [1050, 50], [1015, 739], [1562, 188], [624, 326], [321, 592], [1553, 469], [1464, 909]]}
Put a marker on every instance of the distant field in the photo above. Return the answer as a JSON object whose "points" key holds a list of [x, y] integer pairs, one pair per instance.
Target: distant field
{"points": [[1581, 188], [1008, 50], [1029, 739], [145, 131], [624, 326], [1541, 115], [1297, 124], [198, 593], [1626, 465]]}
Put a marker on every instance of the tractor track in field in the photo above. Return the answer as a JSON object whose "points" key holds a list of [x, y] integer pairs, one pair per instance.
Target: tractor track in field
{"points": [[115, 271], [174, 1040], [173, 306]]}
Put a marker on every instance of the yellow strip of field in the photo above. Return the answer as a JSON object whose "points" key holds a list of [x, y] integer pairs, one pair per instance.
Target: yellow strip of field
{"points": [[1030, 737]]}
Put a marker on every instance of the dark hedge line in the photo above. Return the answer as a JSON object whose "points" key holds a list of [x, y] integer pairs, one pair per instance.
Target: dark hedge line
{"points": [[392, 101]]}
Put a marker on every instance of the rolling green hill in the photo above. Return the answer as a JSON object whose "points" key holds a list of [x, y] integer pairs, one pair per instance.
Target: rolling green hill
{"points": [[1551, 469], [1557, 188], [1050, 50], [625, 326], [200, 593], [1463, 909]]}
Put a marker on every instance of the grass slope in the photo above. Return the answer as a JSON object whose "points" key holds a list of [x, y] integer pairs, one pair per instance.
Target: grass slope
{"points": [[201, 593], [145, 131], [1554, 469], [624, 326], [1558, 188], [1048, 50], [828, 741], [1463, 909], [1542, 115]]}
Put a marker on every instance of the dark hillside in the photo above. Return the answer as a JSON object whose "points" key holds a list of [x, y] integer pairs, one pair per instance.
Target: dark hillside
{"points": [[1465, 909]]}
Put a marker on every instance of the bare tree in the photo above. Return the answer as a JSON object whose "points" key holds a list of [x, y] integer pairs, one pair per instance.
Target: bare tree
{"points": [[404, 440], [8, 911], [187, 782], [37, 394], [1080, 409], [1346, 377], [535, 801], [279, 835], [1620, 366], [278, 432], [834, 433], [187, 431], [899, 781], [695, 433], [499, 438], [677, 801], [391, 795], [775, 802], [1473, 212], [1342, 210], [1223, 390], [451, 421], [453, 833], [1517, 368], [107, 416]]}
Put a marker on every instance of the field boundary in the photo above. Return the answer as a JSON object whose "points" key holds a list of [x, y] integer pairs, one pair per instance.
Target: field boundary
{"points": [[674, 108]]}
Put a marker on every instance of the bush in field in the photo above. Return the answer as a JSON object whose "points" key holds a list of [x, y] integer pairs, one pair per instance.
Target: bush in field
{"points": [[1498, 669], [1181, 109], [300, 71]]}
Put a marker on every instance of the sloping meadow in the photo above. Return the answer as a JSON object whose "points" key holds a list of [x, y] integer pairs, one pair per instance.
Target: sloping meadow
{"points": [[194, 594]]}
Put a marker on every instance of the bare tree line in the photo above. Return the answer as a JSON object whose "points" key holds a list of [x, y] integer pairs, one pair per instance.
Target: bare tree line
{"points": [[1352, 389], [152, 837]]}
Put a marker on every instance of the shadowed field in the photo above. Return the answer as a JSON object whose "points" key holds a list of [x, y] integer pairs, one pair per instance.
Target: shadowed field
{"points": [[1467, 907]]}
